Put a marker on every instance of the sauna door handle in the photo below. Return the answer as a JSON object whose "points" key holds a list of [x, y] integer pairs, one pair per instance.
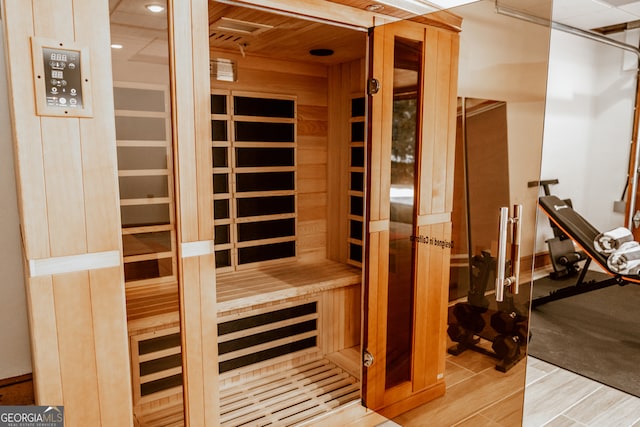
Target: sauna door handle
{"points": [[514, 225]]}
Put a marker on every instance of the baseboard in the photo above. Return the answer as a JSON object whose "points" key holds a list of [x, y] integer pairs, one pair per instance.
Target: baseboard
{"points": [[537, 261], [17, 391]]}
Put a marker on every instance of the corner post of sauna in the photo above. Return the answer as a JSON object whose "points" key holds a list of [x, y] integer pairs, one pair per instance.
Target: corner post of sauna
{"points": [[189, 62]]}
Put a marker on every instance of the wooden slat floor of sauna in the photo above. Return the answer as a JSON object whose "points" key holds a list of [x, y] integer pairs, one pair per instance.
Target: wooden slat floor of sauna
{"points": [[288, 398], [169, 416]]}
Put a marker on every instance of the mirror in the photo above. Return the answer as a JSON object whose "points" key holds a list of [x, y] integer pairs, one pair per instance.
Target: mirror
{"points": [[481, 183]]}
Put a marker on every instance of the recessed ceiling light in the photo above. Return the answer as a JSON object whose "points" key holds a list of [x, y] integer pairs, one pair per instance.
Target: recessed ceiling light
{"points": [[321, 52], [155, 8], [375, 7], [116, 46]]}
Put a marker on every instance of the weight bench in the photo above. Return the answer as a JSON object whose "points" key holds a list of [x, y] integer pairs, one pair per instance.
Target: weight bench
{"points": [[583, 234]]}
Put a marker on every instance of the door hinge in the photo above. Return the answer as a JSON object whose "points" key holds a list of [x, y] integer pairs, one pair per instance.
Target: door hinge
{"points": [[367, 359], [373, 86]]}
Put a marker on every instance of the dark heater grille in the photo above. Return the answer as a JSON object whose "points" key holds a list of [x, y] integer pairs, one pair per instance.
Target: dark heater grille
{"points": [[159, 363], [254, 178], [260, 337]]}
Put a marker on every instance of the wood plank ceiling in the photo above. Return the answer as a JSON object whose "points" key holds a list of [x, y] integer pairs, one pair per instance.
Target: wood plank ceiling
{"points": [[278, 36]]}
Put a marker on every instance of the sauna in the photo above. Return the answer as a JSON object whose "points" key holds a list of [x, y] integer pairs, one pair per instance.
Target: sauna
{"points": [[287, 163], [257, 216], [287, 171]]}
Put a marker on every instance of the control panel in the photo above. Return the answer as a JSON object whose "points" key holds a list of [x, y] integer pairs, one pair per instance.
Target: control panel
{"points": [[61, 75]]}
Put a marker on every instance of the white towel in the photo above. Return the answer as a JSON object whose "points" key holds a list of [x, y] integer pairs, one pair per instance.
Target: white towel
{"points": [[612, 240], [626, 259]]}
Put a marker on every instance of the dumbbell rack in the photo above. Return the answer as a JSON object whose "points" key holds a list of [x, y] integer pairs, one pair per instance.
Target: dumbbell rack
{"points": [[508, 342], [508, 331]]}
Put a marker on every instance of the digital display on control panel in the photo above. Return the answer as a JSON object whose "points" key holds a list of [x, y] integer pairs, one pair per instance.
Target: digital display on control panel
{"points": [[63, 80]]}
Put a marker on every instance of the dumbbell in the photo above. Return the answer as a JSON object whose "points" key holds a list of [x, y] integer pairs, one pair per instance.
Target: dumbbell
{"points": [[506, 323], [457, 333], [469, 317], [522, 331], [506, 346]]}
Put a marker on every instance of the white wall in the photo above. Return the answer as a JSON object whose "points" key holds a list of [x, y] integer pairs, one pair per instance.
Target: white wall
{"points": [[15, 351], [505, 59], [588, 121]]}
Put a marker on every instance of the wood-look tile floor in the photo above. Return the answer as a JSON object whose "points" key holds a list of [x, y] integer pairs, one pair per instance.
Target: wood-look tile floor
{"points": [[555, 397], [479, 396]]}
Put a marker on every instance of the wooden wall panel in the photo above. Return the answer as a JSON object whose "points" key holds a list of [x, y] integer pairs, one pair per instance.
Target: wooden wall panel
{"points": [[63, 180], [439, 112], [309, 83], [44, 342], [340, 319], [192, 136], [452, 120], [430, 333], [435, 201], [345, 80], [107, 301], [375, 148], [194, 368], [32, 196], [76, 347], [338, 180], [68, 195], [101, 199]]}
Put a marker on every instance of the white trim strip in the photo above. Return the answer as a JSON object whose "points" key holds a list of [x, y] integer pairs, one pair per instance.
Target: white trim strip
{"points": [[431, 219], [191, 249], [73, 263], [377, 226]]}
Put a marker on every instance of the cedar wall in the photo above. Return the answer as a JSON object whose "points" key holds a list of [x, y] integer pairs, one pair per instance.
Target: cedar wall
{"points": [[323, 105], [346, 81], [322, 143]]}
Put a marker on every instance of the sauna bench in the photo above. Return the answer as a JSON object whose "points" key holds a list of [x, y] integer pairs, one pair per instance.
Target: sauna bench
{"points": [[150, 306], [241, 289]]}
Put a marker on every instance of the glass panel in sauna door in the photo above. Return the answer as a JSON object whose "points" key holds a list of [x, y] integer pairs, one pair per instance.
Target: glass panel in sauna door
{"points": [[142, 101]]}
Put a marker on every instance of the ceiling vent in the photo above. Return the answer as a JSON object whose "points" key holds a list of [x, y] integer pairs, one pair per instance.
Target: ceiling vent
{"points": [[237, 26]]}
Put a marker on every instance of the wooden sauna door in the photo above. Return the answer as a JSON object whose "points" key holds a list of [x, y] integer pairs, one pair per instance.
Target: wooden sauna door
{"points": [[409, 200]]}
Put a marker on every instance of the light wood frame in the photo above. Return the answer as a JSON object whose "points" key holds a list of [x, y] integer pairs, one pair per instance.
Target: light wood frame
{"points": [[188, 40]]}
